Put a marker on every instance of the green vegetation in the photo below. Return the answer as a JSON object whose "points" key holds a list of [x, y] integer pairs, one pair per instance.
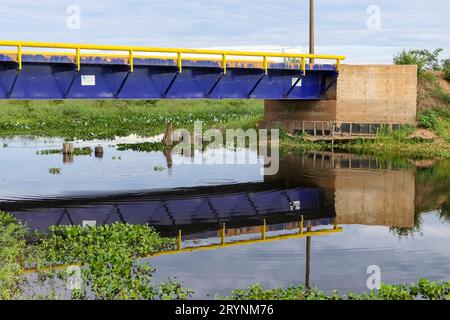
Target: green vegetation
{"points": [[74, 119], [54, 171], [86, 151], [446, 69], [107, 256], [424, 289], [424, 59], [12, 247], [428, 119], [142, 147]]}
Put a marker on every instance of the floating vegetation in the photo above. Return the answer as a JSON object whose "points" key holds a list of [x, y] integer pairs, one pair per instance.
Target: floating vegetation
{"points": [[87, 120], [85, 151], [141, 147], [54, 170], [107, 256], [424, 289], [158, 168]]}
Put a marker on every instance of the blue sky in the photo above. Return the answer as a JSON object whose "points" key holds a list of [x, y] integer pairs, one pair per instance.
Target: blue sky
{"points": [[341, 26]]}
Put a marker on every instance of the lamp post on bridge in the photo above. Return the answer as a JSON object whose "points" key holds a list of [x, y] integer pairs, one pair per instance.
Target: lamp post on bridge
{"points": [[311, 30]]}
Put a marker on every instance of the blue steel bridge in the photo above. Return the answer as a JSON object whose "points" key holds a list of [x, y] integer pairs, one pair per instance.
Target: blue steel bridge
{"points": [[36, 70]]}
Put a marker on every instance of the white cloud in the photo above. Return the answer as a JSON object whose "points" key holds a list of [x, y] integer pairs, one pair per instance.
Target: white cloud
{"points": [[341, 25]]}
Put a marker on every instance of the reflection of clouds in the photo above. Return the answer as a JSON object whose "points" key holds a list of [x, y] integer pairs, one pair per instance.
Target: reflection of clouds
{"points": [[337, 261], [205, 23], [24, 174]]}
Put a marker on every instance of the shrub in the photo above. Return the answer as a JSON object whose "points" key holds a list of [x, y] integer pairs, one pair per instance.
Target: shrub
{"points": [[446, 69], [428, 119]]}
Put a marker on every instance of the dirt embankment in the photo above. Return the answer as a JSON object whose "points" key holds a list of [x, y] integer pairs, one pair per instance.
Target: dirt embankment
{"points": [[430, 92]]}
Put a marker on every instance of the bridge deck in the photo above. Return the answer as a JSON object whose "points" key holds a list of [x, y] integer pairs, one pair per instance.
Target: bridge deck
{"points": [[181, 74]]}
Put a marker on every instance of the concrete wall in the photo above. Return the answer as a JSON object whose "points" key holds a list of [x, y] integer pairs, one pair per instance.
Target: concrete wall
{"points": [[363, 94]]}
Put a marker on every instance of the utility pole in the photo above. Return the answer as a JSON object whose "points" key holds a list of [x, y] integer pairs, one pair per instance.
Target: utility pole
{"points": [[311, 29]]}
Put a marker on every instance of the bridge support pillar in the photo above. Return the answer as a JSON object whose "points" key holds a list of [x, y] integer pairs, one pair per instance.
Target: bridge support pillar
{"points": [[364, 95]]}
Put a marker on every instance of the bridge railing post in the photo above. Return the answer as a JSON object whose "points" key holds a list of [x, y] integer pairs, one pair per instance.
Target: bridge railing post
{"points": [[19, 57]]}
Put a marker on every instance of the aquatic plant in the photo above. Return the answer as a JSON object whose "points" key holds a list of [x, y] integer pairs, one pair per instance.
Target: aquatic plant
{"points": [[424, 289], [107, 256], [54, 171], [141, 147], [85, 151], [88, 120], [12, 247]]}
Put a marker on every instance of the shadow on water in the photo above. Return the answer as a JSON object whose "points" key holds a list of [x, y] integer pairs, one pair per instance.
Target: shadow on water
{"points": [[394, 215]]}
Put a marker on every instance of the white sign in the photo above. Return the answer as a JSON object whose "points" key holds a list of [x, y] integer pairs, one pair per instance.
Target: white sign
{"points": [[294, 80], [87, 80], [89, 223], [295, 205]]}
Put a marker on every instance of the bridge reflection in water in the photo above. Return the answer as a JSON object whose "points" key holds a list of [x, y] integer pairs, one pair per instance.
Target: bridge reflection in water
{"points": [[310, 196], [323, 188]]}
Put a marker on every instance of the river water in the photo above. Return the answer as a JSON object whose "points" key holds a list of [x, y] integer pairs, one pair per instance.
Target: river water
{"points": [[388, 216]]}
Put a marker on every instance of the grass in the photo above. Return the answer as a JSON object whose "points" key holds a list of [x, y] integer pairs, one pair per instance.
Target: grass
{"points": [[87, 120], [398, 143]]}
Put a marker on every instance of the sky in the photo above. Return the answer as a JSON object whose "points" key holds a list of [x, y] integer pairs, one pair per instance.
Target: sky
{"points": [[366, 31]]}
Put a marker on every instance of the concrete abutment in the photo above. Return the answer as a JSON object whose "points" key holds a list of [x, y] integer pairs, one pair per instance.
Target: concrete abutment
{"points": [[363, 98]]}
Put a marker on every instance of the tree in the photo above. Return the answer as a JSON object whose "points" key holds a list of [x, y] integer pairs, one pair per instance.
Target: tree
{"points": [[424, 59]]}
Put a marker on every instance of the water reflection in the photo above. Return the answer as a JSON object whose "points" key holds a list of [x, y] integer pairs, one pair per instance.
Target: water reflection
{"points": [[363, 189], [393, 214]]}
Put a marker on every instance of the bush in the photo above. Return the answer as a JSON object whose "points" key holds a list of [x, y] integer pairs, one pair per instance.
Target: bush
{"points": [[446, 69], [428, 119], [424, 59]]}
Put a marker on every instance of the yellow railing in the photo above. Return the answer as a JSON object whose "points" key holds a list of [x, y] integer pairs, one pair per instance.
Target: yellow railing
{"points": [[264, 239], [131, 50], [223, 243]]}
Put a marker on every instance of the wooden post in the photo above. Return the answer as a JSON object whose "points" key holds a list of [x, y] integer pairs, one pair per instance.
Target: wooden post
{"points": [[168, 136], [99, 151], [168, 154], [68, 148]]}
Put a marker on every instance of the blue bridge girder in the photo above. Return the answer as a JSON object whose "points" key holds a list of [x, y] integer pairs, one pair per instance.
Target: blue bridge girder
{"points": [[62, 76]]}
